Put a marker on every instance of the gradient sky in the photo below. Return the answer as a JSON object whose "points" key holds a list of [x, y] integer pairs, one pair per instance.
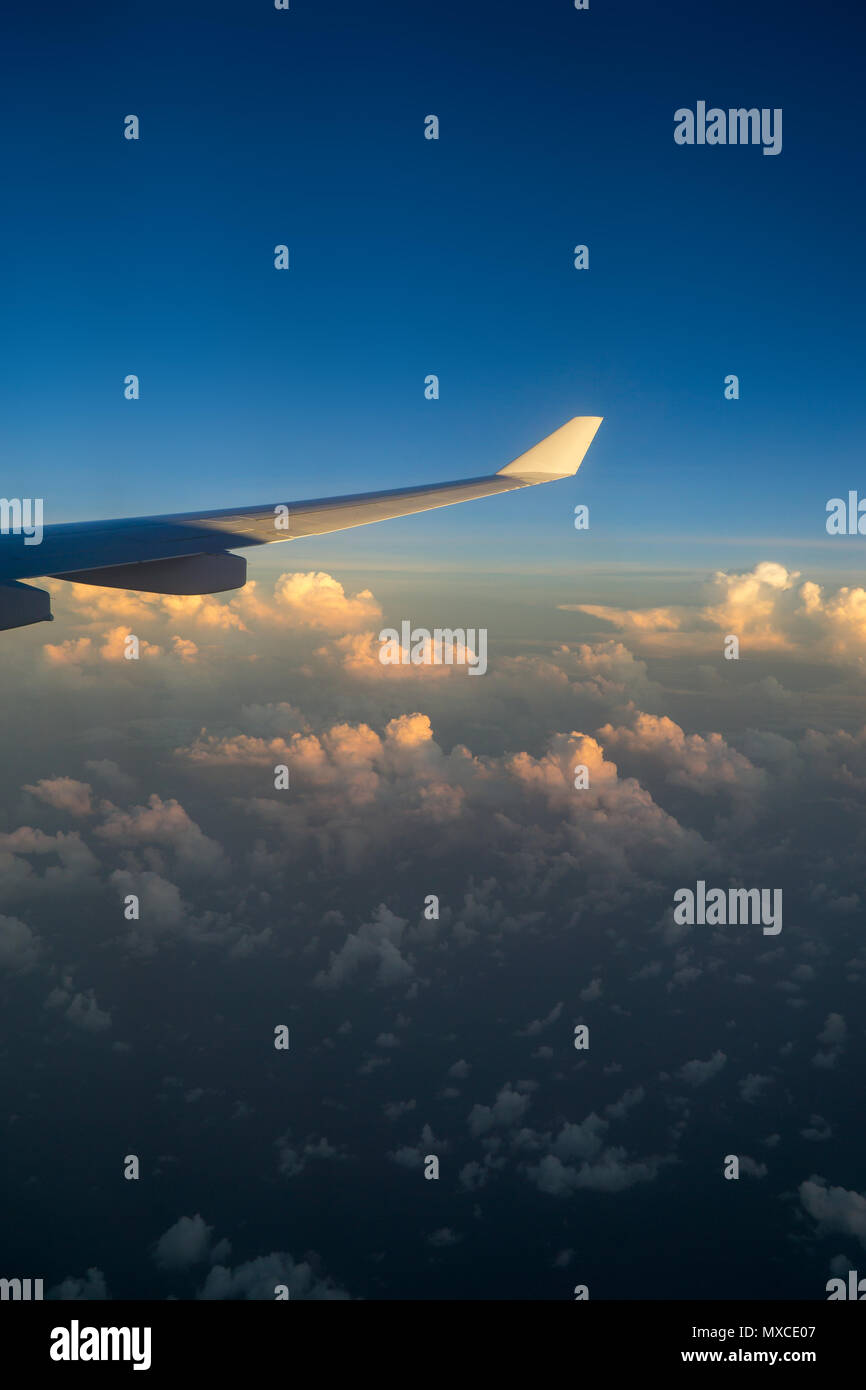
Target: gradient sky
{"points": [[454, 257]]}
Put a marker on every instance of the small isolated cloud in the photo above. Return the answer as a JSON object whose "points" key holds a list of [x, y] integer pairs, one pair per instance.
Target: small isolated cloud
{"points": [[188, 1242], [259, 1279], [85, 1013], [91, 1288], [817, 1129], [753, 1086], [443, 1238], [508, 1108], [835, 1210], [627, 1101], [64, 794], [376, 944], [538, 1025], [19, 946], [612, 1171], [697, 1073], [293, 1159], [752, 1168], [834, 1036]]}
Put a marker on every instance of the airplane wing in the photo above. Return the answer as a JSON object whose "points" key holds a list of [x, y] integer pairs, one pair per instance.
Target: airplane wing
{"points": [[188, 553]]}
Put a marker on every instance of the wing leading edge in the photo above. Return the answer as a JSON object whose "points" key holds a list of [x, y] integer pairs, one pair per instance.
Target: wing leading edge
{"points": [[175, 554]]}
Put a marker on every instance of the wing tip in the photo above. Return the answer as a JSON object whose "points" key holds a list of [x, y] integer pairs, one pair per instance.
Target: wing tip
{"points": [[560, 454]]}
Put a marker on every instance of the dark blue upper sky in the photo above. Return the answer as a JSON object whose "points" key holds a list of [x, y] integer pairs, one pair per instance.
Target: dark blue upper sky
{"points": [[411, 256]]}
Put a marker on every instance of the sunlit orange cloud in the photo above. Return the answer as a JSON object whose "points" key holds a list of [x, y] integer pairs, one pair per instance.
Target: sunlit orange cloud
{"points": [[705, 763], [311, 601], [72, 652], [64, 794], [765, 607], [358, 655], [114, 647]]}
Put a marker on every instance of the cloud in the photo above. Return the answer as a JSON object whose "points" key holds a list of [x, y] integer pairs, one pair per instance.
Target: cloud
{"points": [[508, 1108], [753, 1086], [627, 1101], [539, 1024], [443, 1238], [188, 1242], [259, 1279], [184, 648], [76, 862], [73, 652], [751, 1168], [835, 1210], [291, 1161], [704, 764], [317, 600], [767, 608], [85, 1013], [631, 620], [413, 1156], [697, 1073], [377, 944], [834, 1032], [64, 794], [834, 1036], [91, 1288], [19, 946], [817, 1129], [612, 1171], [105, 770], [164, 823], [359, 655]]}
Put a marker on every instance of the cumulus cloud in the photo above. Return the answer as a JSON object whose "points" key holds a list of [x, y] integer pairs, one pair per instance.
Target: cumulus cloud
{"points": [[163, 823], [753, 1086], [75, 861], [611, 1171], [751, 1168], [539, 1024], [317, 600], [835, 1210], [84, 1012], [188, 1242], [90, 1288], [19, 946], [443, 1238], [697, 1073], [376, 944], [293, 1159], [767, 608], [508, 1108], [260, 1278], [359, 655], [705, 764], [64, 794]]}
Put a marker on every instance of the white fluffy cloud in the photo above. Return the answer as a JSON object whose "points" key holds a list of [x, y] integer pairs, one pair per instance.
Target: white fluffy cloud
{"points": [[769, 608]]}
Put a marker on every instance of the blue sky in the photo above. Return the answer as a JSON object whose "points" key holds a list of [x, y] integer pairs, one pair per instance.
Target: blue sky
{"points": [[411, 256]]}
